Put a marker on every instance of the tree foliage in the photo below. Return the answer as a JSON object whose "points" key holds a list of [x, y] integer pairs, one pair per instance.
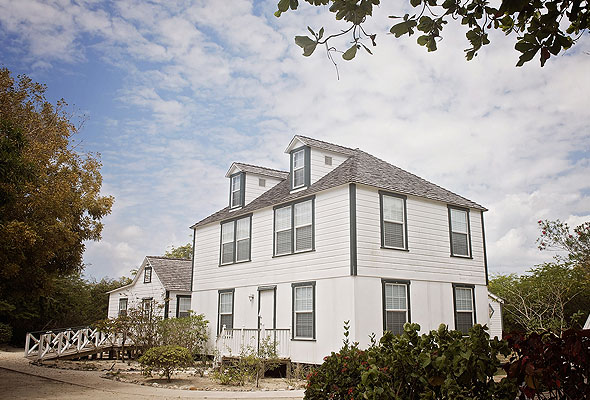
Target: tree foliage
{"points": [[544, 27], [556, 236], [185, 252], [50, 201]]}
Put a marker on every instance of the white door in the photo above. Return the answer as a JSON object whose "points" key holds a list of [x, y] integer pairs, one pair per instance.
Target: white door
{"points": [[266, 309]]}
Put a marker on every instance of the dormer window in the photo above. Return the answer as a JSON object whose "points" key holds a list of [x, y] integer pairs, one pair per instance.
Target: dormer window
{"points": [[236, 190], [147, 275], [300, 167]]}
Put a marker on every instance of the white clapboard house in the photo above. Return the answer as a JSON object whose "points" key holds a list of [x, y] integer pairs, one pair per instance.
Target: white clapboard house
{"points": [[343, 236], [161, 283]]}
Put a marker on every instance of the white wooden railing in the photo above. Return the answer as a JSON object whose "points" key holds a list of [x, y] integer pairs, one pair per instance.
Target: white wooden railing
{"points": [[59, 343], [233, 342]]}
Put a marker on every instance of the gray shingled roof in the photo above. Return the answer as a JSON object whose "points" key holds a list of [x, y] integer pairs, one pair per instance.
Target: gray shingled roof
{"points": [[174, 273], [361, 168], [320, 144], [255, 169]]}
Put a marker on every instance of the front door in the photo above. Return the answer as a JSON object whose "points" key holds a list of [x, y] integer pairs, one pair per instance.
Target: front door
{"points": [[266, 308]]}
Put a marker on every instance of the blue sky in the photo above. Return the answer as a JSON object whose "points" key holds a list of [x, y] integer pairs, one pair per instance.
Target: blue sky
{"points": [[172, 92]]}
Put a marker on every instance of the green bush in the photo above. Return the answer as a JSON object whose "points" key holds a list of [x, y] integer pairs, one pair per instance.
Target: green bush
{"points": [[189, 332], [165, 360], [442, 364], [5, 332]]}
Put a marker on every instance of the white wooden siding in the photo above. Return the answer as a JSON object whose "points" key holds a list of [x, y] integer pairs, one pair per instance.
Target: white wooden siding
{"points": [[428, 258], [253, 189], [330, 258], [495, 324], [318, 163]]}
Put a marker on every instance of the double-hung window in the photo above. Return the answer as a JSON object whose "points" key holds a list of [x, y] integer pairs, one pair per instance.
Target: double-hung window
{"points": [[235, 240], [183, 306], [464, 307], [300, 167], [236, 190], [394, 232], [294, 227], [396, 305], [459, 232], [304, 310], [147, 307], [147, 275], [226, 309], [123, 306]]}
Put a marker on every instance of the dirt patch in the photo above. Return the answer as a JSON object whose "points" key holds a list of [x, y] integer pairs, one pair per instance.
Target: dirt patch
{"points": [[199, 378]]}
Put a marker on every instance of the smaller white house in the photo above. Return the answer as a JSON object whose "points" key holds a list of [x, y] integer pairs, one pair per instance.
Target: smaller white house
{"points": [[587, 324], [165, 282], [495, 312]]}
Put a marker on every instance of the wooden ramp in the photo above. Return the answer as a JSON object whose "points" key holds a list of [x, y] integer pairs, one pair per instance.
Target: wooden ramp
{"points": [[71, 343]]}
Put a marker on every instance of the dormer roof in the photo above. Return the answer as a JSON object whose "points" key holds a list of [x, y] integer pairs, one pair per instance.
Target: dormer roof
{"points": [[311, 142], [255, 169]]}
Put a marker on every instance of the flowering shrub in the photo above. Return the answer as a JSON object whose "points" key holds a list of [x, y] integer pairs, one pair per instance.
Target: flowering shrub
{"points": [[550, 367]]}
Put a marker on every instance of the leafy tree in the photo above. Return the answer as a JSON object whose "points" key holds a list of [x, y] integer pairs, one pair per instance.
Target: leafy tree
{"points": [[189, 332], [165, 360], [50, 200], [551, 297], [556, 236], [547, 27], [185, 251]]}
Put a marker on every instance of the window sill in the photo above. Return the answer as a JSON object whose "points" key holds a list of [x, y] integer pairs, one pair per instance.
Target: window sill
{"points": [[233, 263], [394, 248], [298, 189], [291, 254], [303, 339], [464, 257]]}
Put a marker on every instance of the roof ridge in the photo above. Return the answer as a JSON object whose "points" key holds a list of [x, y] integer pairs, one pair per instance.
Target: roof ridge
{"points": [[169, 258], [260, 166], [329, 143]]}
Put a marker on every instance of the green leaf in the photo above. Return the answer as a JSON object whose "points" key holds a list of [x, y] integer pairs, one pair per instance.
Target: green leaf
{"points": [[527, 56], [311, 31], [425, 24], [294, 4], [422, 40], [402, 28], [283, 5], [307, 44], [321, 34], [366, 48], [350, 53], [415, 3]]}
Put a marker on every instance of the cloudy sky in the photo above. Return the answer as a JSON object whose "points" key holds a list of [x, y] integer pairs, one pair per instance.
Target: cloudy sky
{"points": [[174, 91]]}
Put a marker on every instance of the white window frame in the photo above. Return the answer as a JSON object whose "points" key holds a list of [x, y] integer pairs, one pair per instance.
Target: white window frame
{"points": [[147, 278], [302, 151], [123, 300], [234, 241], [452, 230], [406, 291], [403, 222], [471, 312], [235, 178], [147, 307], [296, 312], [293, 227], [179, 311], [222, 293]]}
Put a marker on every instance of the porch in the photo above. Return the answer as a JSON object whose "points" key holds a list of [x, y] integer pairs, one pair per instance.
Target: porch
{"points": [[265, 342]]}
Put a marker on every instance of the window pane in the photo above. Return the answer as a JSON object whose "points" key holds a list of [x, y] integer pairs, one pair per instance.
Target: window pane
{"points": [[464, 321], [236, 198], [304, 325], [283, 218], [122, 304], [458, 221], [243, 228], [460, 244], [393, 234], [298, 159], [226, 320], [303, 238], [395, 297], [298, 177], [235, 183], [184, 303], [393, 209], [463, 299], [227, 255], [303, 213], [225, 302], [395, 321], [243, 250], [227, 232], [283, 242], [304, 298]]}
